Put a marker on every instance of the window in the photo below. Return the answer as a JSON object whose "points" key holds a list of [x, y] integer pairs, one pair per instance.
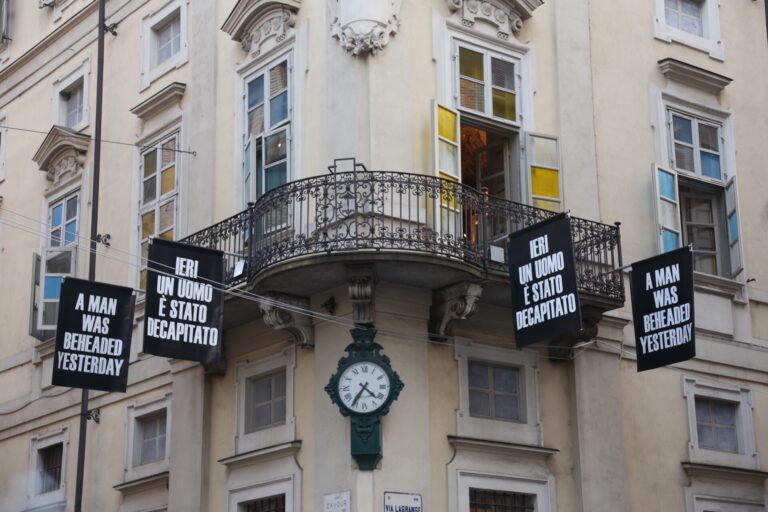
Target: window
{"points": [[498, 397], [147, 437], [265, 402], [71, 99], [484, 500], [696, 198], [694, 23], [269, 504], [72, 104], [494, 391], [159, 197], [685, 15], [720, 424], [266, 138], [49, 468], [58, 260], [487, 83], [164, 41], [5, 22], [46, 482], [716, 425], [151, 438]]}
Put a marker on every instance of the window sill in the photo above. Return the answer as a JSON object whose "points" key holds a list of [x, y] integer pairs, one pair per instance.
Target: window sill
{"points": [[142, 484], [717, 472], [59, 506], [718, 285], [277, 451], [501, 448], [152, 75], [672, 35]]}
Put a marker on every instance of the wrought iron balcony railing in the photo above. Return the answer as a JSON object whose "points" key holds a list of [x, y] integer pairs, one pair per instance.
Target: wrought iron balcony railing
{"points": [[393, 211]]}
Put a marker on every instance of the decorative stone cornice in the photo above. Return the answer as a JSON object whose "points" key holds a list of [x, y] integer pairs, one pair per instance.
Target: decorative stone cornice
{"points": [[298, 325], [62, 153], [364, 27], [524, 451], [694, 76], [456, 302], [505, 16], [257, 23], [144, 484], [721, 473], [163, 99]]}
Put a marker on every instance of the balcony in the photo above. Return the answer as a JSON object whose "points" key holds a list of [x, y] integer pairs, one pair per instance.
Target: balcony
{"points": [[419, 230]]}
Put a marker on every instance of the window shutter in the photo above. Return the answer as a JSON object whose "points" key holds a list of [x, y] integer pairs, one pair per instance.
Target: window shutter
{"points": [[446, 141], [56, 264], [666, 197], [34, 298], [734, 233], [545, 179], [4, 21]]}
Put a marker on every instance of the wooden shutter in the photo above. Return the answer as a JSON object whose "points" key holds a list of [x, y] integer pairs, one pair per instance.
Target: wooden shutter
{"points": [[545, 178], [446, 142], [667, 199], [734, 231]]}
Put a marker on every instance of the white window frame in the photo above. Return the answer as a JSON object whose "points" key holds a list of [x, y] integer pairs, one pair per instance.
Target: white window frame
{"points": [[135, 412], [160, 200], [528, 431], [704, 503], [62, 247], [488, 53], [239, 498], [740, 396], [248, 143], [277, 434], [60, 89], [537, 488], [709, 42], [37, 443], [150, 69]]}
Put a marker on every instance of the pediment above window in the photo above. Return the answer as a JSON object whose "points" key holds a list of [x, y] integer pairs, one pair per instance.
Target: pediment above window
{"points": [[504, 16], [261, 24], [62, 153]]}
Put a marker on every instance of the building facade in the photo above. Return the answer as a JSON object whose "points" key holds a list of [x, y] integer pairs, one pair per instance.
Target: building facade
{"points": [[361, 164]]}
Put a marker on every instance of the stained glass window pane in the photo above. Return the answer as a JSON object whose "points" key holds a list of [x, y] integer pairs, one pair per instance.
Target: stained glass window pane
{"points": [[446, 124], [471, 64], [545, 182], [150, 163], [504, 104], [472, 95], [148, 224], [544, 204], [168, 180], [544, 151]]}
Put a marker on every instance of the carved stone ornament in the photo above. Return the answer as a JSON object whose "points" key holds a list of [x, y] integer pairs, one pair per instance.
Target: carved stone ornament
{"points": [[364, 27], [62, 153], [297, 324], [456, 302], [362, 285], [259, 25], [505, 16]]}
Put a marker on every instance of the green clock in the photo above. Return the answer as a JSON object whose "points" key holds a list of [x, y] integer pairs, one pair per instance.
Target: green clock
{"points": [[364, 387]]}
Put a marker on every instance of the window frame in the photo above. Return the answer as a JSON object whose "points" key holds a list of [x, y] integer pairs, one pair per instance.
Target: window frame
{"points": [[237, 499], [696, 120], [151, 70], [529, 430], [473, 480], [39, 442], [251, 192], [742, 397], [262, 376], [492, 392], [275, 434], [709, 42], [63, 87], [160, 200], [135, 413]]}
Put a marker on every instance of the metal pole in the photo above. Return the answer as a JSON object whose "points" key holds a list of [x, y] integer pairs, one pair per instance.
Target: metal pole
{"points": [[94, 234]]}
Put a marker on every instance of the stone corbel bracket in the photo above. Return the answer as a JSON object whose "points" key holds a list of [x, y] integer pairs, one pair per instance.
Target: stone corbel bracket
{"points": [[259, 25], [456, 302], [299, 325], [506, 16], [364, 27], [362, 287], [62, 153]]}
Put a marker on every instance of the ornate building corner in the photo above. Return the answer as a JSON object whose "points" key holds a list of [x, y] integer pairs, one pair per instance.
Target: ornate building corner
{"points": [[364, 27], [505, 16], [62, 154], [456, 302], [362, 286], [259, 25], [297, 324]]}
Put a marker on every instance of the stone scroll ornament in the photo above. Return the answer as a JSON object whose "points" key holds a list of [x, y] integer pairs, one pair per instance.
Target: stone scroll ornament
{"points": [[364, 27]]}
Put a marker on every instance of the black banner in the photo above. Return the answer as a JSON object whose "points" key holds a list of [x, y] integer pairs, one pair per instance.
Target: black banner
{"points": [[93, 335], [542, 272], [662, 309], [184, 304]]}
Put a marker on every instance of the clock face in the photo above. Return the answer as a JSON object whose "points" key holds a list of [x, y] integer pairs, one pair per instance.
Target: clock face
{"points": [[364, 387]]}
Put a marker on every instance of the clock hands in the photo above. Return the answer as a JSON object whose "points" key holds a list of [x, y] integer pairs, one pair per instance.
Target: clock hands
{"points": [[365, 387], [357, 397]]}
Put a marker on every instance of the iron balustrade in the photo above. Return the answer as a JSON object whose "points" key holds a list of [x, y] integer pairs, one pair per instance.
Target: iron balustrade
{"points": [[393, 211]]}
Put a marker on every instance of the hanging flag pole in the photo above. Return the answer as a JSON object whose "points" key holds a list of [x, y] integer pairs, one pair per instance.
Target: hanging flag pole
{"points": [[100, 27]]}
